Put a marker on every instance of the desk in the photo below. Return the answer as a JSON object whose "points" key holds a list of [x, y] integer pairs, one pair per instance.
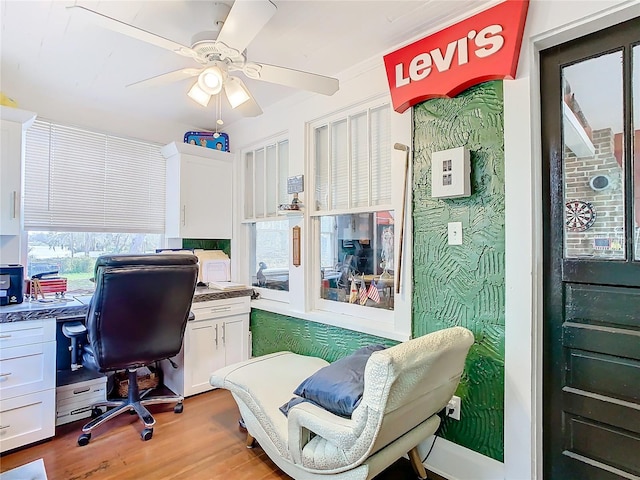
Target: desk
{"points": [[31, 342]]}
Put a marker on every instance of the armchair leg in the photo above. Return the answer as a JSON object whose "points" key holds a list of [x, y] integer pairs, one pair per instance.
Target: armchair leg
{"points": [[416, 463], [250, 440]]}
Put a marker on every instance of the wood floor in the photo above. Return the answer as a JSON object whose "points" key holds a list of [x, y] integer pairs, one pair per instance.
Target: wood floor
{"points": [[204, 442]]}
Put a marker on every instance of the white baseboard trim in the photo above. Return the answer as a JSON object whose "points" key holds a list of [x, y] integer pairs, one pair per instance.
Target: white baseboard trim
{"points": [[456, 462]]}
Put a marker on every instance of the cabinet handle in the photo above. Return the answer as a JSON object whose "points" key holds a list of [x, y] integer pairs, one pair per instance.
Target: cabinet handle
{"points": [[184, 215], [224, 330], [15, 204], [2, 427], [201, 328], [5, 336], [5, 374], [216, 336], [221, 309], [76, 392]]}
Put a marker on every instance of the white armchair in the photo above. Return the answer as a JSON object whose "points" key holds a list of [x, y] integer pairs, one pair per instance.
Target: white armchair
{"points": [[405, 386]]}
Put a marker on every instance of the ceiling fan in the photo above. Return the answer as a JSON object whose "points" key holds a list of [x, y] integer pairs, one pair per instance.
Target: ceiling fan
{"points": [[221, 52]]}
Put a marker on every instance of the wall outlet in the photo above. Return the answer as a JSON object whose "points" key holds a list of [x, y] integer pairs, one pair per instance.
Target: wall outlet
{"points": [[453, 408]]}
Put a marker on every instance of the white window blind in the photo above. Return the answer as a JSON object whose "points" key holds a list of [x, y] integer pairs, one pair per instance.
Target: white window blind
{"points": [[353, 161], [78, 180]]}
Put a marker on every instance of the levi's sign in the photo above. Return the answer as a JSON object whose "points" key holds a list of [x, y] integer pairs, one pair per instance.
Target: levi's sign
{"points": [[481, 48]]}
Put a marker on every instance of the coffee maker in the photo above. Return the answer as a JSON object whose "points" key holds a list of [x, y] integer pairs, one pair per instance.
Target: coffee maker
{"points": [[11, 284]]}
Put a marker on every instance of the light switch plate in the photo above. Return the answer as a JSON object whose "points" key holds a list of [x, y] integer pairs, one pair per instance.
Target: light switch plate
{"points": [[455, 233]]}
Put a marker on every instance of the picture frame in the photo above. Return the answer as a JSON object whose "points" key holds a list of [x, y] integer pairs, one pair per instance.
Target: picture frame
{"points": [[214, 140]]}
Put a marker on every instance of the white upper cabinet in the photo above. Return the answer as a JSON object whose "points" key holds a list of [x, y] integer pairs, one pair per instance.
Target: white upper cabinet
{"points": [[13, 127], [199, 192]]}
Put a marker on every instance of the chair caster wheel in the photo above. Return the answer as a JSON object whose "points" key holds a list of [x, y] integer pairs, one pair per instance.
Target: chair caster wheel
{"points": [[146, 434], [96, 412], [178, 408], [83, 439]]}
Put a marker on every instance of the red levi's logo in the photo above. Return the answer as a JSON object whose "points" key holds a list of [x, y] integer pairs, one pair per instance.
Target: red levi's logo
{"points": [[481, 48]]}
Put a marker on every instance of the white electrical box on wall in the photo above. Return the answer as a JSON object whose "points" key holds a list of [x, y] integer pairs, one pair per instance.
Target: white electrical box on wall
{"points": [[451, 173]]}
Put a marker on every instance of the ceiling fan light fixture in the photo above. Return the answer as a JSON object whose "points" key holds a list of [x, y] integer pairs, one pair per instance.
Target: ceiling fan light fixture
{"points": [[236, 92], [210, 80], [199, 95]]}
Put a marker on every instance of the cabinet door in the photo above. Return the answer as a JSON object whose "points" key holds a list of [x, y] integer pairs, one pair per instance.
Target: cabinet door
{"points": [[206, 200], [199, 354], [235, 342], [27, 369], [10, 182], [27, 419]]}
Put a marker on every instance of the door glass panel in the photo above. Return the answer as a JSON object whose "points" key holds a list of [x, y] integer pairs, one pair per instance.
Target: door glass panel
{"points": [[593, 160], [635, 81]]}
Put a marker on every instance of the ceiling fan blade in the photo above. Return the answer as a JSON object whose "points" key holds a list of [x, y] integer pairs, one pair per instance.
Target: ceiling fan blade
{"points": [[245, 20], [169, 77], [134, 32], [295, 78]]}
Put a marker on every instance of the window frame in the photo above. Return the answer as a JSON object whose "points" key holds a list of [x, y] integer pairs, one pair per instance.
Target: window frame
{"points": [[248, 222], [350, 315]]}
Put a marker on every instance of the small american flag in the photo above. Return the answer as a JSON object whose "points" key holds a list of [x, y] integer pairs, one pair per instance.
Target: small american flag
{"points": [[363, 294], [373, 293]]}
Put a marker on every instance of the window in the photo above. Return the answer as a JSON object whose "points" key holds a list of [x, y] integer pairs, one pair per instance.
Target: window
{"points": [[73, 254], [272, 255], [86, 194], [352, 206], [265, 177], [357, 258]]}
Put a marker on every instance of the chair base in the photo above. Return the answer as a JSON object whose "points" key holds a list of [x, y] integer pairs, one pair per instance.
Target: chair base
{"points": [[135, 402]]}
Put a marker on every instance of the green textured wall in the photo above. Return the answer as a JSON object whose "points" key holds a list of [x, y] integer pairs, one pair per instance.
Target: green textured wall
{"points": [[464, 284], [272, 333], [224, 245]]}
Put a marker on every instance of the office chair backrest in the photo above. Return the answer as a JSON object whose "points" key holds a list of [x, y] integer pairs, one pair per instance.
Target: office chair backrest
{"points": [[140, 307]]}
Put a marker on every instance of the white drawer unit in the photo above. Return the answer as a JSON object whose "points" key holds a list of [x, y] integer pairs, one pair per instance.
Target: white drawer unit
{"points": [[74, 401], [27, 382], [26, 369], [218, 336], [26, 419]]}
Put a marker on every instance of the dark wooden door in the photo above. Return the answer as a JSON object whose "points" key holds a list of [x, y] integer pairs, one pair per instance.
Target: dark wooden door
{"points": [[590, 91]]}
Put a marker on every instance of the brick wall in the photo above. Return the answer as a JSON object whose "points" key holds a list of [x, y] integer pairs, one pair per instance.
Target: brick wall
{"points": [[608, 204]]}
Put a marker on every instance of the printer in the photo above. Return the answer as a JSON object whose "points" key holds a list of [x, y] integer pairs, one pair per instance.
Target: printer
{"points": [[11, 284]]}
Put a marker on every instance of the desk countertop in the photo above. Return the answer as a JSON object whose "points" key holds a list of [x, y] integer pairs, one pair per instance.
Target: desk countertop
{"points": [[65, 308]]}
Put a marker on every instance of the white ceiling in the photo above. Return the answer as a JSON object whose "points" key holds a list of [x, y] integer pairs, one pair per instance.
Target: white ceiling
{"points": [[50, 51]]}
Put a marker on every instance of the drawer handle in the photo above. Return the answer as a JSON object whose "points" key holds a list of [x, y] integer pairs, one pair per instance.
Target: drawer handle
{"points": [[5, 336], [76, 392], [201, 328], [221, 309], [5, 374], [2, 427]]}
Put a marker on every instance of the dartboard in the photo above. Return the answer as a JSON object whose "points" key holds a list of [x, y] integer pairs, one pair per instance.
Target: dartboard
{"points": [[580, 215]]}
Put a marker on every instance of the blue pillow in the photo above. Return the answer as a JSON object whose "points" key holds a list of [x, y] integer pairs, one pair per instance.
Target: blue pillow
{"points": [[338, 387]]}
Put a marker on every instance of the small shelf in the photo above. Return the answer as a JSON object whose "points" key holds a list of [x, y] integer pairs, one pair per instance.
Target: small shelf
{"points": [[291, 213]]}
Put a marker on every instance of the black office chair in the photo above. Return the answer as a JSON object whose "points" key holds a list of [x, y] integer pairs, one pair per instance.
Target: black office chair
{"points": [[137, 316]]}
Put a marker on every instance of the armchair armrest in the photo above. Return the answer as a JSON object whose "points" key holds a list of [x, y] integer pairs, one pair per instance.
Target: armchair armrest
{"points": [[306, 418]]}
